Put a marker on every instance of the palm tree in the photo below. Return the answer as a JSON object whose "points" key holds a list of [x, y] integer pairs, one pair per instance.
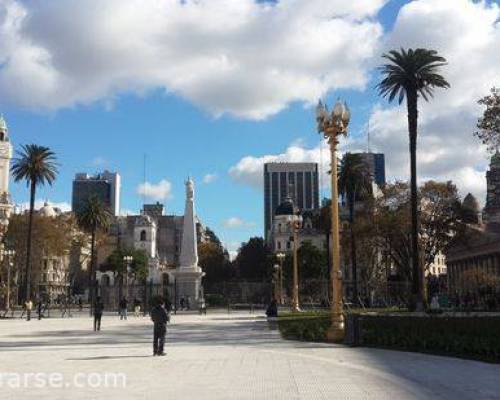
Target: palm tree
{"points": [[93, 217], [354, 184], [37, 166], [412, 73]]}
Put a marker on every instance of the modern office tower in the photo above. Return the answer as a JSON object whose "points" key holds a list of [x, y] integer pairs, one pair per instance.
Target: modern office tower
{"points": [[298, 180], [376, 165], [105, 185]]}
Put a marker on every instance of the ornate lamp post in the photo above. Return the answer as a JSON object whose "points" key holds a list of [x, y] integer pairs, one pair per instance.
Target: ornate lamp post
{"points": [[8, 254], [281, 257], [127, 260], [295, 223], [332, 125]]}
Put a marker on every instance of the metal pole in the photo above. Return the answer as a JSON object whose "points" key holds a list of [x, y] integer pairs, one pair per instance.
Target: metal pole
{"points": [[281, 282], [295, 302], [7, 300], [336, 331]]}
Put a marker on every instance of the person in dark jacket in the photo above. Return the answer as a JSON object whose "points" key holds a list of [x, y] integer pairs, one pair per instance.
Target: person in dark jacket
{"points": [[39, 308], [123, 308], [98, 308], [160, 317]]}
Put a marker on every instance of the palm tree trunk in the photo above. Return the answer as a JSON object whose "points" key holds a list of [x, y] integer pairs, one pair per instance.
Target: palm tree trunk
{"points": [[92, 272], [353, 251], [417, 284], [27, 288]]}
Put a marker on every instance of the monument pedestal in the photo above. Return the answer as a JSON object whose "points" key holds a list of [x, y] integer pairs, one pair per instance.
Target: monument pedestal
{"points": [[188, 285]]}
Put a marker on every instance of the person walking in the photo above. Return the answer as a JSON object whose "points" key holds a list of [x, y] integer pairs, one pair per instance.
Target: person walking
{"points": [[137, 307], [39, 308], [98, 309], [181, 302], [29, 307], [160, 317], [123, 308]]}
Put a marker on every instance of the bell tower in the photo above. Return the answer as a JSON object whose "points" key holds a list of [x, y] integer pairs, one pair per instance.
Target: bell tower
{"points": [[5, 157]]}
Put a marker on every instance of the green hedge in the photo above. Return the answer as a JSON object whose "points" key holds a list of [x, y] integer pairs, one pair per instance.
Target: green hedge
{"points": [[468, 337], [215, 300], [308, 328]]}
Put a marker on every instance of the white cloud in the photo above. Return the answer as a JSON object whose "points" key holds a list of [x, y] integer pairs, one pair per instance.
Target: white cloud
{"points": [[246, 58], [250, 170], [469, 39], [468, 34], [209, 178], [156, 191], [237, 223]]}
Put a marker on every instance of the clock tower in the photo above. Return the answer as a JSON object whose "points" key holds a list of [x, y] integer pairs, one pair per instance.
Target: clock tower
{"points": [[5, 157]]}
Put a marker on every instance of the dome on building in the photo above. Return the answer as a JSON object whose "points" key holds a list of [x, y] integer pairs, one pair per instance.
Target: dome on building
{"points": [[285, 208], [47, 211], [470, 203]]}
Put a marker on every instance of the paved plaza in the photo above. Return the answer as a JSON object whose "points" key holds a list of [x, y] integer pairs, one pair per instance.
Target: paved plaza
{"points": [[219, 356]]}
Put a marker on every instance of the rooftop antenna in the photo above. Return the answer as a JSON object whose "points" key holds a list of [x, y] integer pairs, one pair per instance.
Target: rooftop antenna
{"points": [[368, 136], [144, 182]]}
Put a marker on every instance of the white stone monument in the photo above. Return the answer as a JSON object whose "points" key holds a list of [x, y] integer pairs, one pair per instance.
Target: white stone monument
{"points": [[188, 273]]}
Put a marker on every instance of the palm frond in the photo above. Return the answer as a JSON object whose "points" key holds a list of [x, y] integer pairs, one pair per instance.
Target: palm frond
{"points": [[411, 71], [35, 164]]}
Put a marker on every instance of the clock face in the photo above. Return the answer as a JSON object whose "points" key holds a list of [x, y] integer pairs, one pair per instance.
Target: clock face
{"points": [[5, 150]]}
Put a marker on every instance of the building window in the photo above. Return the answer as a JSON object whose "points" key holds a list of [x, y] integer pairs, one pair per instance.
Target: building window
{"points": [[143, 235], [288, 245], [278, 244]]}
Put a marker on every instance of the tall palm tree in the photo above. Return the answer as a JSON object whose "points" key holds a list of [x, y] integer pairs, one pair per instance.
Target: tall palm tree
{"points": [[412, 73], [93, 217], [354, 184], [37, 166]]}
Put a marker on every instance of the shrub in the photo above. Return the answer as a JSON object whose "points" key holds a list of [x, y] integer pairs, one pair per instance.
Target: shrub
{"points": [[215, 300], [310, 328], [468, 337]]}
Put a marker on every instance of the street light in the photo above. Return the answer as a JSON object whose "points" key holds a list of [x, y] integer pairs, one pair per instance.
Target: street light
{"points": [[295, 222], [281, 257], [9, 254], [127, 261], [332, 126]]}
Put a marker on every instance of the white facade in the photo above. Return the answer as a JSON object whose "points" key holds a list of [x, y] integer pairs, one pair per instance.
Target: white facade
{"points": [[145, 235], [282, 234], [5, 157]]}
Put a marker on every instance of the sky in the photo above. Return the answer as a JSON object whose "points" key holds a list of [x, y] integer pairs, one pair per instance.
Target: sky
{"points": [[212, 89]]}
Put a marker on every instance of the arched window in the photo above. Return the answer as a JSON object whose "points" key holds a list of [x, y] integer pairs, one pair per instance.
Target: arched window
{"points": [[165, 279], [143, 235]]}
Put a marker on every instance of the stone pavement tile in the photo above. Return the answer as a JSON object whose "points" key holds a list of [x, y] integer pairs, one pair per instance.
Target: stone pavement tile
{"points": [[223, 356]]}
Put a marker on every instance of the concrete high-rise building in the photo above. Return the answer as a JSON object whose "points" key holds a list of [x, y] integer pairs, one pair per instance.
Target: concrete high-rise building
{"points": [[376, 165], [299, 180], [105, 185]]}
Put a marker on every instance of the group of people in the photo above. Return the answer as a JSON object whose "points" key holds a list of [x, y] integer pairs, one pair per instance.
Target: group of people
{"points": [[123, 308]]}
